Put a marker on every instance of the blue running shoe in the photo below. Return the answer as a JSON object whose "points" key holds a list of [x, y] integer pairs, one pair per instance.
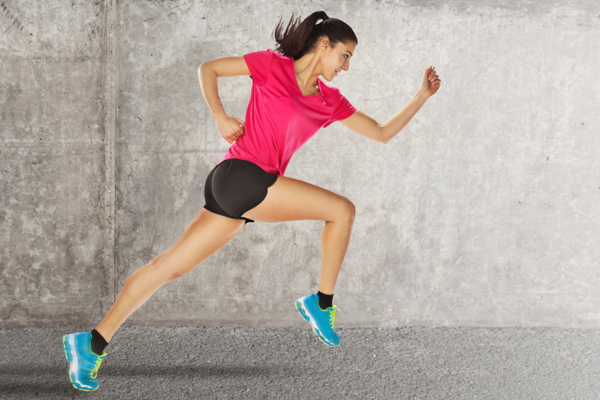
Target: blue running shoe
{"points": [[321, 320], [84, 363]]}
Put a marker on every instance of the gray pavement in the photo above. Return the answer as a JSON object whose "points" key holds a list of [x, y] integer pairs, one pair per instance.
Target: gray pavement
{"points": [[292, 363]]}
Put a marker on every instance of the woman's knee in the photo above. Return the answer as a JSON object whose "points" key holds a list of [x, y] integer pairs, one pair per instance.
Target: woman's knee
{"points": [[349, 210], [162, 267]]}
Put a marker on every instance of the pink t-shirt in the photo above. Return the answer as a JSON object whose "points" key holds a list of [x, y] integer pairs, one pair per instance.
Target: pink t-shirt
{"points": [[279, 118]]}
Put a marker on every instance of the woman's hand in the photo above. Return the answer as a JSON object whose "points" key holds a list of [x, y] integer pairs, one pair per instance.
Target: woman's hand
{"points": [[431, 82], [229, 127]]}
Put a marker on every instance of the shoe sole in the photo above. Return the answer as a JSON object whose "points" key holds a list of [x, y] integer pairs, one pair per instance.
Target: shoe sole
{"points": [[69, 357], [307, 317]]}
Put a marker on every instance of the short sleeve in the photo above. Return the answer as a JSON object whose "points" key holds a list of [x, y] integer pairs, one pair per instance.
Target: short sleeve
{"points": [[259, 64], [343, 110]]}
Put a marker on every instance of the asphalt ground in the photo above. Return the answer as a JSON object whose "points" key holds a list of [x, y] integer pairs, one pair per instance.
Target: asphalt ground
{"points": [[292, 363]]}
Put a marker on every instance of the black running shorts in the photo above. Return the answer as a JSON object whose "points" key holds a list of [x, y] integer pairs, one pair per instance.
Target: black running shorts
{"points": [[235, 186]]}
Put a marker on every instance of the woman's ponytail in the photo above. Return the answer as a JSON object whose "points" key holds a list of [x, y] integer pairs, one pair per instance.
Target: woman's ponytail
{"points": [[300, 37]]}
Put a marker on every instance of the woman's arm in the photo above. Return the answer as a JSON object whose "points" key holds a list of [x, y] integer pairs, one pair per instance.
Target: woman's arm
{"points": [[429, 86], [210, 90], [395, 124], [230, 128], [220, 67], [361, 123], [364, 125]]}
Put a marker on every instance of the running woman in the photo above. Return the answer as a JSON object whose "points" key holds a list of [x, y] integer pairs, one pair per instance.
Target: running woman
{"points": [[288, 105]]}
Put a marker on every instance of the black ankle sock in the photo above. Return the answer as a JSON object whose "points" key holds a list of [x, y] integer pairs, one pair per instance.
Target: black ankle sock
{"points": [[325, 300], [98, 343]]}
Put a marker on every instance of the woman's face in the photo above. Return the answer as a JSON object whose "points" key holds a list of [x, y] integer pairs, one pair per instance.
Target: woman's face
{"points": [[337, 59]]}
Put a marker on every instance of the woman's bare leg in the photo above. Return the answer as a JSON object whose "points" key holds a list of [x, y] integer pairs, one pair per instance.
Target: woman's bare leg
{"points": [[290, 199], [207, 233], [334, 243]]}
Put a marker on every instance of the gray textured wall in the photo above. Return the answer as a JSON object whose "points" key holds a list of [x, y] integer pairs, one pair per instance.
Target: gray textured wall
{"points": [[483, 211]]}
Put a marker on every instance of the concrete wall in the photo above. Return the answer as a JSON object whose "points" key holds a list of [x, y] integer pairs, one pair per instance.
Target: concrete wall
{"points": [[57, 128], [483, 211]]}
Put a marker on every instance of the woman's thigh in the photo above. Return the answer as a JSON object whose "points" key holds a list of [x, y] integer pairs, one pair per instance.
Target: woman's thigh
{"points": [[205, 235], [290, 199]]}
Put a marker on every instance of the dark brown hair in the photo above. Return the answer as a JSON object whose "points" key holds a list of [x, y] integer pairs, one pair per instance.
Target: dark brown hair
{"points": [[300, 38]]}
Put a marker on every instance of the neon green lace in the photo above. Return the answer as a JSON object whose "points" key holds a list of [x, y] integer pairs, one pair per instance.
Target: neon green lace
{"points": [[94, 373], [332, 315]]}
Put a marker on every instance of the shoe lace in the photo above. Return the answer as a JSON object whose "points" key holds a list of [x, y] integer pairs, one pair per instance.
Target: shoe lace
{"points": [[94, 373], [332, 314]]}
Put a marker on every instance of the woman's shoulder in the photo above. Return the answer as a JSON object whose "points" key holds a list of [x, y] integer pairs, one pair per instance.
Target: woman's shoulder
{"points": [[330, 90], [281, 59]]}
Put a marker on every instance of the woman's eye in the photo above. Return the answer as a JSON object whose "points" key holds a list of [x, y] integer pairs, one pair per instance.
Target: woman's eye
{"points": [[345, 55]]}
